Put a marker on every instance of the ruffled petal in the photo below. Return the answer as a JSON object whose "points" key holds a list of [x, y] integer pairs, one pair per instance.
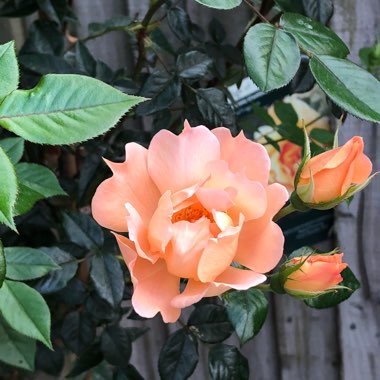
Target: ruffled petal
{"points": [[187, 244], [193, 293], [243, 155], [130, 183], [178, 162]]}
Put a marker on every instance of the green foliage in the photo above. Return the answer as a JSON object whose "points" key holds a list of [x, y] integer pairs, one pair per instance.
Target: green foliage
{"points": [[9, 75], [3, 265], [64, 109], [220, 4], [247, 311], [24, 309], [13, 147], [271, 56], [348, 85]]}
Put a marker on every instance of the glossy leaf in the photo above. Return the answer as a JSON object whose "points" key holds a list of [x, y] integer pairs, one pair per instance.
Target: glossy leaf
{"points": [[82, 230], [53, 9], [336, 297], [25, 311], [8, 190], [9, 74], [220, 4], [78, 331], [247, 311], [271, 55], [3, 265], [180, 24], [349, 86], [214, 108], [210, 323], [291, 6], [116, 346], [17, 8], [178, 357], [320, 10], [193, 65], [312, 36], [225, 362], [64, 109], [16, 349], [58, 279], [24, 263], [13, 147], [36, 182], [43, 64], [107, 277]]}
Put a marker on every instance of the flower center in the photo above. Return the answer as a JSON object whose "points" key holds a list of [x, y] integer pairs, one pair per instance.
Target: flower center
{"points": [[192, 214]]}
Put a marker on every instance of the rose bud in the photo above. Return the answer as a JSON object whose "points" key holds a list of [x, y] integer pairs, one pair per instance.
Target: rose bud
{"points": [[313, 275], [327, 179]]}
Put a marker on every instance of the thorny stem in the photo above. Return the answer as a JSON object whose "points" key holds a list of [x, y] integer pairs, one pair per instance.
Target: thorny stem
{"points": [[284, 212], [264, 287], [262, 17]]}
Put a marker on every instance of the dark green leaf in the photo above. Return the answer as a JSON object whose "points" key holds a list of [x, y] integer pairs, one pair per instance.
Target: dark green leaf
{"points": [[114, 23], [3, 265], [286, 113], [193, 65], [334, 298], [78, 331], [45, 64], [50, 361], [9, 74], [17, 8], [36, 182], [180, 24], [227, 363], [322, 136], [45, 38], [160, 41], [81, 229], [83, 59], [57, 280], [87, 360], [55, 10], [107, 277], [210, 323], [214, 108], [13, 147], [136, 332], [320, 10], [64, 109], [178, 357], [247, 311], [16, 349], [24, 263], [263, 115], [312, 36], [291, 6], [349, 86], [217, 31], [163, 89], [128, 373], [8, 190], [25, 311], [116, 346], [74, 293], [271, 55], [220, 4]]}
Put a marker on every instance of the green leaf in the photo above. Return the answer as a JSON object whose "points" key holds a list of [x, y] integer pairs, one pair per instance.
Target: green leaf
{"points": [[116, 346], [193, 65], [323, 136], [178, 357], [210, 323], [335, 297], [214, 108], [17, 8], [286, 113], [24, 263], [217, 31], [43, 64], [271, 55], [36, 182], [3, 265], [320, 10], [13, 147], [81, 229], [349, 86], [115, 23], [25, 311], [247, 311], [8, 190], [64, 109], [9, 75], [291, 6], [225, 362], [180, 24], [220, 4], [107, 277], [87, 360], [54, 9], [313, 37], [16, 349]]}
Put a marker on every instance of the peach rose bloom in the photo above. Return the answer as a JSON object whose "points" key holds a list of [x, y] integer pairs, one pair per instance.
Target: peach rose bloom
{"points": [[318, 273], [195, 205], [330, 175]]}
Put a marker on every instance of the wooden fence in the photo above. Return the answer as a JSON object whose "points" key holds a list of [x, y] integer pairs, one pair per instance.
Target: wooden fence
{"points": [[297, 343]]}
